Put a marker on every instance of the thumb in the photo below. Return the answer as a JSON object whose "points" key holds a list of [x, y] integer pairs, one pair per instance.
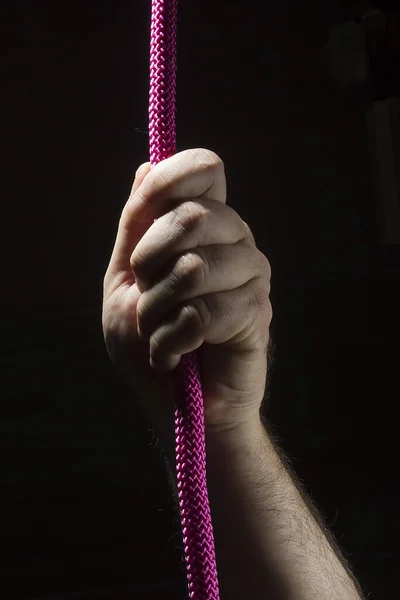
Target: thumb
{"points": [[126, 240]]}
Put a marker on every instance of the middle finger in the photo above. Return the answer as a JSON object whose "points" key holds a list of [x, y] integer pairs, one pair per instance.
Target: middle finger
{"points": [[194, 223], [200, 271]]}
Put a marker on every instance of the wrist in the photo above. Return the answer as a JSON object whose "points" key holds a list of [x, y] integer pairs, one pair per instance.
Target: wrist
{"points": [[236, 434]]}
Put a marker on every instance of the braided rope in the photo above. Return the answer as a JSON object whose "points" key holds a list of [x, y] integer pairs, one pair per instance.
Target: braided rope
{"points": [[194, 506]]}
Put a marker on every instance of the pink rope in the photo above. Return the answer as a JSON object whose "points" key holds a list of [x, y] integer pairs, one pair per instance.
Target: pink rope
{"points": [[194, 506]]}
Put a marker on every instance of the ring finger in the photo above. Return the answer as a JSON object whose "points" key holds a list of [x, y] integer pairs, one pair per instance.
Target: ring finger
{"points": [[191, 224], [197, 272], [213, 318]]}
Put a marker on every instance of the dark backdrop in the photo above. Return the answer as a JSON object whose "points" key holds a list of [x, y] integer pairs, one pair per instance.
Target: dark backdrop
{"points": [[86, 508]]}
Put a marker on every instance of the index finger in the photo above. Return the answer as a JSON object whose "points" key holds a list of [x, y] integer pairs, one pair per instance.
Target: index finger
{"points": [[187, 175]]}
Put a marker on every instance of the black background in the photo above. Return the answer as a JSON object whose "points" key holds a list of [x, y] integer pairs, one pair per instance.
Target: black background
{"points": [[86, 510]]}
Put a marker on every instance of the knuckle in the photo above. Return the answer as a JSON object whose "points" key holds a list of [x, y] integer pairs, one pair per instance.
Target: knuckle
{"points": [[189, 322], [207, 158], [190, 216], [248, 233], [265, 266], [197, 315], [138, 262], [262, 291], [254, 305], [260, 300], [190, 270]]}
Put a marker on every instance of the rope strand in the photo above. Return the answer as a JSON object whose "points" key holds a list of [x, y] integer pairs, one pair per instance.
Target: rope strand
{"points": [[194, 505]]}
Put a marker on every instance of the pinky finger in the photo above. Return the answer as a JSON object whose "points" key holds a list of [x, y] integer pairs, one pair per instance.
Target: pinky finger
{"points": [[165, 364], [183, 333]]}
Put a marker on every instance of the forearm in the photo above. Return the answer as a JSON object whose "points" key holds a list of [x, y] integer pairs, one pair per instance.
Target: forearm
{"points": [[268, 543]]}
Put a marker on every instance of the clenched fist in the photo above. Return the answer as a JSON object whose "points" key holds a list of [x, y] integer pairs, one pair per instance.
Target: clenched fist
{"points": [[185, 273]]}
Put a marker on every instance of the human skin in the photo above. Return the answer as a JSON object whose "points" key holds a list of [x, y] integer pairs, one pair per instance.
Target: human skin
{"points": [[186, 274]]}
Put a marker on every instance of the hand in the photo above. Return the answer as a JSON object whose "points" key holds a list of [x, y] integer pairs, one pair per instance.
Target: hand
{"points": [[192, 279]]}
